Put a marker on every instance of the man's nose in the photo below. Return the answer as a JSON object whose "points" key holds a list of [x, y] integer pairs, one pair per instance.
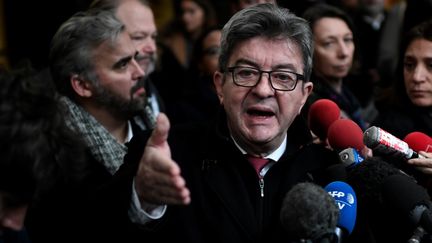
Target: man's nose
{"points": [[139, 72]]}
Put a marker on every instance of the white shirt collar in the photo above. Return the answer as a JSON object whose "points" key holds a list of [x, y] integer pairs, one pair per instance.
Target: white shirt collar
{"points": [[275, 155], [129, 134]]}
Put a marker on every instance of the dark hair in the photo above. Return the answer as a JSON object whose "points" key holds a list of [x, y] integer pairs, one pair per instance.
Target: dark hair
{"points": [[270, 21], [38, 149], [111, 4], [73, 45], [198, 50], [177, 26], [416, 12], [209, 10], [210, 17], [420, 31], [322, 10]]}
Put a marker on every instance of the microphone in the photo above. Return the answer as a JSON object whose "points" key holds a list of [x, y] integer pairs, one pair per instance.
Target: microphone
{"points": [[402, 194], [366, 179], [345, 133], [419, 141], [368, 176], [335, 172], [346, 201], [385, 143], [346, 136], [309, 214], [322, 113], [350, 157]]}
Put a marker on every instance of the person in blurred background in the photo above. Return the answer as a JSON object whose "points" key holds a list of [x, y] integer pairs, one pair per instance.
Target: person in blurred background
{"points": [[201, 102], [333, 59], [409, 107], [138, 18], [95, 69], [369, 21], [194, 16], [176, 47], [40, 154]]}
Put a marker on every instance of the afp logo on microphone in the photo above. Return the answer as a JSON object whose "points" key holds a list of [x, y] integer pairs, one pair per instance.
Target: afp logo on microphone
{"points": [[346, 200], [342, 199]]}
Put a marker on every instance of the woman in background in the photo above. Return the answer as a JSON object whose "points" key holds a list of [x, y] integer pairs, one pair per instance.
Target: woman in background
{"points": [[333, 59], [194, 17], [173, 78], [409, 107]]}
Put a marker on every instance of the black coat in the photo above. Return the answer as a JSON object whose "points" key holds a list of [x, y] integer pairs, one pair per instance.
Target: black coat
{"points": [[226, 204], [404, 119], [93, 209]]}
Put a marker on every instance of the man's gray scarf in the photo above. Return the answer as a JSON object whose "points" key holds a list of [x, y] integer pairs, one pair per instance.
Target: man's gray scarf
{"points": [[102, 145]]}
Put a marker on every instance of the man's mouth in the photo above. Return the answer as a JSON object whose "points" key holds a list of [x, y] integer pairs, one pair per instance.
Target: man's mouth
{"points": [[140, 92], [260, 112]]}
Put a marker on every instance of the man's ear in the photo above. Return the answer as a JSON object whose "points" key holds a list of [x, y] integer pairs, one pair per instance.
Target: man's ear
{"points": [[81, 87], [218, 82], [307, 90]]}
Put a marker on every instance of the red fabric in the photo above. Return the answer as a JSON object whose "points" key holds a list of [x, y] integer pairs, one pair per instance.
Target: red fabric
{"points": [[257, 162]]}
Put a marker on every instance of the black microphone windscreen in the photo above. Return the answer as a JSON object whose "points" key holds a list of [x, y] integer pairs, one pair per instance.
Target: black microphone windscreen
{"points": [[367, 177], [402, 194], [309, 212], [335, 172]]}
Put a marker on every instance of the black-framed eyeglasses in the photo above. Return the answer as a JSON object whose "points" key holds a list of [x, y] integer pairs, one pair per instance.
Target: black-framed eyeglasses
{"points": [[279, 80]]}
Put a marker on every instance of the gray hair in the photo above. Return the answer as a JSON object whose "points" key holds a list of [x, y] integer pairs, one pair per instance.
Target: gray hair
{"points": [[112, 5], [72, 47], [270, 21]]}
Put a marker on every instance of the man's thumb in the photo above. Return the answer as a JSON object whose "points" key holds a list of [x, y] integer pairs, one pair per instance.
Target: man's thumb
{"points": [[160, 132]]}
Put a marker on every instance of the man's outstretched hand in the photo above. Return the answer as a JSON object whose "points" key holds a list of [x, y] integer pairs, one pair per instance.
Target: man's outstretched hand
{"points": [[158, 180]]}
